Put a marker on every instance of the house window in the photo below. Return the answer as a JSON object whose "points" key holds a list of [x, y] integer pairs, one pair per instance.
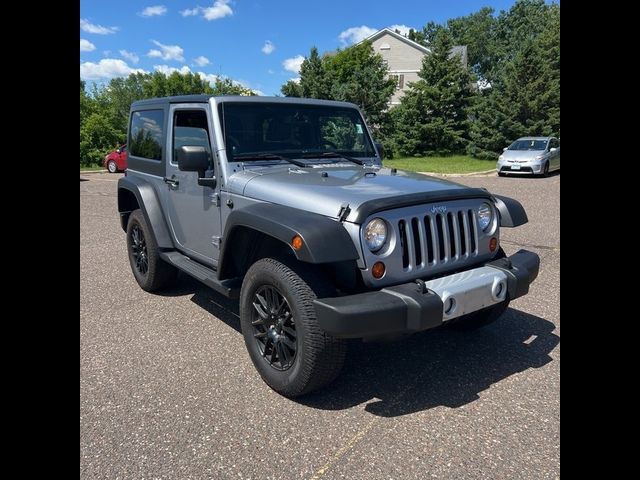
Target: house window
{"points": [[385, 46], [399, 79]]}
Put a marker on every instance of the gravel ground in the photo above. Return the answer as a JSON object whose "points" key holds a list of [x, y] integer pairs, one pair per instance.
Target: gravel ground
{"points": [[168, 390]]}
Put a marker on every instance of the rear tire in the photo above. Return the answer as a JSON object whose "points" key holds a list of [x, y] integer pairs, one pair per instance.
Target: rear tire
{"points": [[290, 351], [150, 271], [112, 167]]}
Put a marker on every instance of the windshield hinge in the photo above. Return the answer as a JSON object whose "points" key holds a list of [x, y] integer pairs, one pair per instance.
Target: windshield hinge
{"points": [[343, 212]]}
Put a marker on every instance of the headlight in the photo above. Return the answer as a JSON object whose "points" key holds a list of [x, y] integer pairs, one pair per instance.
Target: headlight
{"points": [[375, 234], [500, 158], [485, 216], [539, 157]]}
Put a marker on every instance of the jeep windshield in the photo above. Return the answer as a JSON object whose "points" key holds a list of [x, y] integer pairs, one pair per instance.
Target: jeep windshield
{"points": [[265, 130]]}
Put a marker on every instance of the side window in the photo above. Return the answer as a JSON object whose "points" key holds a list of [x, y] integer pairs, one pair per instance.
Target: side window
{"points": [[553, 143], [190, 129], [147, 130]]}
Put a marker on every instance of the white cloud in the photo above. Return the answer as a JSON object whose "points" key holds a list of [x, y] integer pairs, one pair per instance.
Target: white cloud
{"points": [[105, 69], [404, 30], [106, 53], [167, 52], [132, 57], [86, 46], [268, 47], [154, 11], [293, 64], [295, 80], [167, 70], [355, 34], [209, 77], [201, 61], [270, 72], [190, 12], [97, 29], [220, 9]]}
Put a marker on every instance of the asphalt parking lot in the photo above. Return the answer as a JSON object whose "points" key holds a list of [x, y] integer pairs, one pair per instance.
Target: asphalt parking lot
{"points": [[168, 390]]}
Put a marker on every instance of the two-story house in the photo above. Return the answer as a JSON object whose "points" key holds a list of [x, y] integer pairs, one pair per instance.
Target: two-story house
{"points": [[404, 58]]}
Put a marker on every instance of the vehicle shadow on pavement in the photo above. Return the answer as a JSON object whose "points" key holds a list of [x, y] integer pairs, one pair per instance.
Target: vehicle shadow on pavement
{"points": [[217, 305], [441, 367]]}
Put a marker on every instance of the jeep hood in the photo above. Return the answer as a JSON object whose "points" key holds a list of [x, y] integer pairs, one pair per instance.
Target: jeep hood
{"points": [[325, 189]]}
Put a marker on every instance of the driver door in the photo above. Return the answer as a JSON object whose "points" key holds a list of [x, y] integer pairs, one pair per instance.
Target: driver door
{"points": [[193, 210]]}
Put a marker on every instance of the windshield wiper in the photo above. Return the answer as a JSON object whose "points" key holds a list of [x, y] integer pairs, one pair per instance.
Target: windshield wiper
{"points": [[268, 156], [334, 155]]}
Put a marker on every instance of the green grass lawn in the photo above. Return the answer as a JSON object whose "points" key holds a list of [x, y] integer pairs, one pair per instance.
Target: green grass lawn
{"points": [[453, 164], [91, 168]]}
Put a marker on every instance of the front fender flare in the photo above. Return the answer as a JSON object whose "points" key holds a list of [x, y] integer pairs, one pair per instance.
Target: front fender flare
{"points": [[323, 240], [512, 212]]}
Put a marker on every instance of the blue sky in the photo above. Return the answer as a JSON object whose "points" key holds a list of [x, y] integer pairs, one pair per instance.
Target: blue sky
{"points": [[258, 43]]}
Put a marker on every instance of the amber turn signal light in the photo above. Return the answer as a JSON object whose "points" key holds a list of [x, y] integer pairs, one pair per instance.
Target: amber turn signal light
{"points": [[296, 242], [493, 244], [378, 270]]}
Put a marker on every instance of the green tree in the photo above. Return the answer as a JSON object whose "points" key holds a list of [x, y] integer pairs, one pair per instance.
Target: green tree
{"points": [[225, 86], [291, 89], [525, 98], [433, 116], [313, 77], [97, 137], [359, 75], [356, 75], [477, 31]]}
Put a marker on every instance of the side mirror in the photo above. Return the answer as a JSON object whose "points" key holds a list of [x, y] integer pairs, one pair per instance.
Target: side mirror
{"points": [[552, 149], [195, 159], [118, 150], [380, 149], [505, 149]]}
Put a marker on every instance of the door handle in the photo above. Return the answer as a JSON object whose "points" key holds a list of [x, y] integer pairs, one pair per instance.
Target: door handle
{"points": [[171, 182]]}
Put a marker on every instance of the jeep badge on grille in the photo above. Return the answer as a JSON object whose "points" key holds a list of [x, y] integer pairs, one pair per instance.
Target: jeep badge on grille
{"points": [[439, 209]]}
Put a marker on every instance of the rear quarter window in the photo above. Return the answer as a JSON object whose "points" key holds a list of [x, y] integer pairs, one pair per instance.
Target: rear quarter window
{"points": [[147, 132]]}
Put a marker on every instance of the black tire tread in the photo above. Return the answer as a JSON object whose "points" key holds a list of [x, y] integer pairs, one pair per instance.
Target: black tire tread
{"points": [[160, 274], [325, 355]]}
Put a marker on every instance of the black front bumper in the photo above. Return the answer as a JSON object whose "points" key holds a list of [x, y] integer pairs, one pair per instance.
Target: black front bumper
{"points": [[406, 308]]}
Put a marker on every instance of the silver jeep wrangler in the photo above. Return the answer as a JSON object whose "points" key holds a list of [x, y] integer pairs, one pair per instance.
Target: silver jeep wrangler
{"points": [[284, 204]]}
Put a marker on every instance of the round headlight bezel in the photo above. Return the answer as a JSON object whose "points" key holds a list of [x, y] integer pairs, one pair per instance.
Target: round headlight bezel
{"points": [[488, 226], [377, 241]]}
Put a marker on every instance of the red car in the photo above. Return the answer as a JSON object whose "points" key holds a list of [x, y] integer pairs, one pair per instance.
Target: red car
{"points": [[116, 161]]}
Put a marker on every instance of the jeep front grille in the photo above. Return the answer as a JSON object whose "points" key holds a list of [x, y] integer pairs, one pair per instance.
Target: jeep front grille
{"points": [[437, 239]]}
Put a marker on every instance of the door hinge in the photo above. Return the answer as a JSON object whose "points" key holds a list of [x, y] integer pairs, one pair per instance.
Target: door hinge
{"points": [[216, 241], [215, 199]]}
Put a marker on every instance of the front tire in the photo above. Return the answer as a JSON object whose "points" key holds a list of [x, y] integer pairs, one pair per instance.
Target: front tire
{"points": [[290, 351], [150, 271], [545, 171], [112, 167]]}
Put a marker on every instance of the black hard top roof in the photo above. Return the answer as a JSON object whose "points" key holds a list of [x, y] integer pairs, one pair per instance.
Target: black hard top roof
{"points": [[235, 98]]}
